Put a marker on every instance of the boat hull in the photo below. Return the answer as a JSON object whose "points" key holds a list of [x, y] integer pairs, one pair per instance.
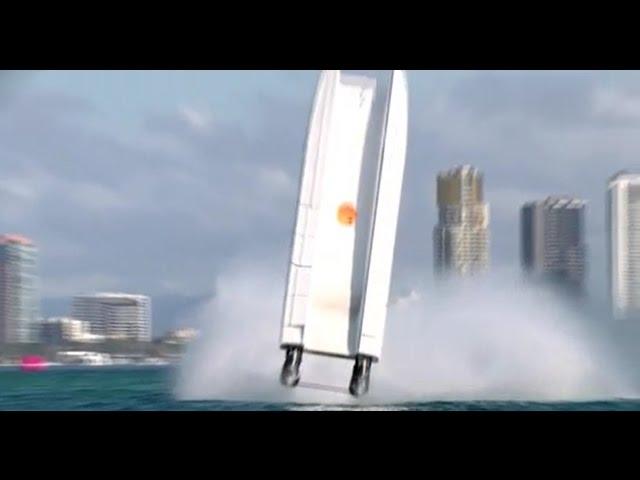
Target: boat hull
{"points": [[344, 235]]}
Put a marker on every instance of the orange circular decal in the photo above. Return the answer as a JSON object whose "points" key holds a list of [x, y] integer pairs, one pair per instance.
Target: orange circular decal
{"points": [[347, 214]]}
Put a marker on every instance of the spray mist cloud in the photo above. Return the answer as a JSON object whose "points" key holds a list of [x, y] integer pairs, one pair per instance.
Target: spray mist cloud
{"points": [[494, 338]]}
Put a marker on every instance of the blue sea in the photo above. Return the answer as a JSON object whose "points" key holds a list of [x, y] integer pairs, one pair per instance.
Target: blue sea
{"points": [[152, 388]]}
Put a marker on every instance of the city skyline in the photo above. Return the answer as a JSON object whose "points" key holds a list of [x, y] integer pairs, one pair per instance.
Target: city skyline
{"points": [[551, 237]]}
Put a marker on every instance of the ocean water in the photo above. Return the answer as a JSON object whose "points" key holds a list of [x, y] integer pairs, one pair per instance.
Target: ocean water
{"points": [[152, 388]]}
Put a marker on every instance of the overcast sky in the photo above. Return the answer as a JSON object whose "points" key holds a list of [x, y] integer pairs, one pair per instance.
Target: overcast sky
{"points": [[153, 181]]}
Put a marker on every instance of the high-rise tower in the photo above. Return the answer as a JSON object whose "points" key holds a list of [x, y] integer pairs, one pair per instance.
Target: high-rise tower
{"points": [[623, 238], [552, 240], [461, 238], [19, 299]]}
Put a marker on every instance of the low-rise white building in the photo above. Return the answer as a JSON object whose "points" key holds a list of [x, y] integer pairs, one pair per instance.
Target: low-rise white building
{"points": [[56, 330], [116, 316]]}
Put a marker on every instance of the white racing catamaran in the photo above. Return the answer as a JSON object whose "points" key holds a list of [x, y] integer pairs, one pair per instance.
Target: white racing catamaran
{"points": [[344, 236]]}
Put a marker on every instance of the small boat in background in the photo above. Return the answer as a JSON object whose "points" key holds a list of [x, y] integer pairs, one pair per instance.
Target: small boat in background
{"points": [[33, 363]]}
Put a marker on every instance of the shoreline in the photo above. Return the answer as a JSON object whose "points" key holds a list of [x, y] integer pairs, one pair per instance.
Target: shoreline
{"points": [[46, 366]]}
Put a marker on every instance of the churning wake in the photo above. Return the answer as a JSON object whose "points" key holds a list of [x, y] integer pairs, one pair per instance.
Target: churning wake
{"points": [[495, 338]]}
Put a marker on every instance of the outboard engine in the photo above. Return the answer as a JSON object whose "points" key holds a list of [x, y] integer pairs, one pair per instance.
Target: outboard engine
{"points": [[359, 384], [290, 375]]}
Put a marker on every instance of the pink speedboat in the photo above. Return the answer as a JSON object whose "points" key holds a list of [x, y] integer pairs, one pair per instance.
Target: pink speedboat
{"points": [[33, 363]]}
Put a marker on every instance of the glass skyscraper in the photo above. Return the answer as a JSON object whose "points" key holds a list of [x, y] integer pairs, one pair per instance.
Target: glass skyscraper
{"points": [[552, 240]]}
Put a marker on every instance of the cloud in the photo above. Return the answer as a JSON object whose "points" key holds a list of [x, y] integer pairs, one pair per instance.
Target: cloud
{"points": [[96, 197], [198, 120], [72, 282], [157, 219], [561, 99], [613, 105], [20, 188]]}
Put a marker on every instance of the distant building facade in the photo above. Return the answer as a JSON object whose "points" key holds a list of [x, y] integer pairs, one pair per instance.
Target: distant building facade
{"points": [[623, 239], [116, 316], [19, 296], [552, 240], [61, 330], [461, 237]]}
